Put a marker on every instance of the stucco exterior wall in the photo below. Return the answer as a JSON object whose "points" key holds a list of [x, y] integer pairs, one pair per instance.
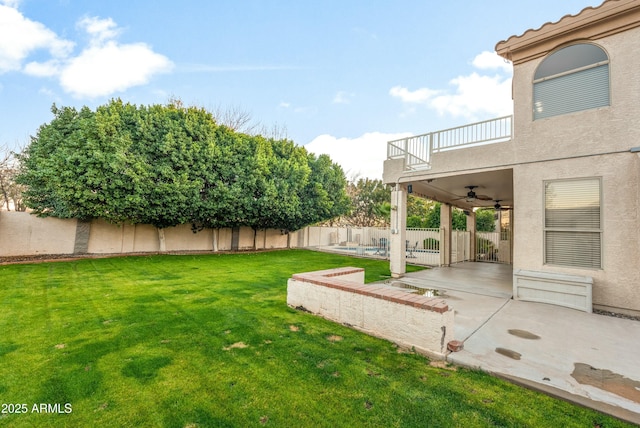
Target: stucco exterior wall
{"points": [[491, 156], [605, 129], [616, 284], [593, 143]]}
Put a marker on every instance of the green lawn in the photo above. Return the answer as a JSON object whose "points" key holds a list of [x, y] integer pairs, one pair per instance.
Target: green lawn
{"points": [[208, 341]]}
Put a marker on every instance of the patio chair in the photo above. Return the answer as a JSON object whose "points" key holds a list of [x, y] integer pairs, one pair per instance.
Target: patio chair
{"points": [[410, 250], [384, 245], [374, 243]]}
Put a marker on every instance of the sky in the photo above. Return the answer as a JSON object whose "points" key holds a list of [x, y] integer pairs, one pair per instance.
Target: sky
{"points": [[340, 77]]}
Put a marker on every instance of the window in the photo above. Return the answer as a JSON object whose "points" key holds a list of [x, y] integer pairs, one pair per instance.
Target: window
{"points": [[572, 223], [574, 78]]}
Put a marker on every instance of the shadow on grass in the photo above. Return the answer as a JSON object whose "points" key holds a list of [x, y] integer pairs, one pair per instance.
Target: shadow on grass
{"points": [[6, 348], [145, 369], [141, 342], [70, 385]]}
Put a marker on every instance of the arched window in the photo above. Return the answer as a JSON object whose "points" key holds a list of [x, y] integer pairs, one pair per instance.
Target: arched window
{"points": [[571, 79]]}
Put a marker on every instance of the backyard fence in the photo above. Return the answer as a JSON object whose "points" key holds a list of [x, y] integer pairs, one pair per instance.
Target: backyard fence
{"points": [[22, 234], [25, 234], [422, 246]]}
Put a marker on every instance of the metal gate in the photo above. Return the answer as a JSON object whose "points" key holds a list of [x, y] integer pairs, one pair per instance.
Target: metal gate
{"points": [[494, 247]]}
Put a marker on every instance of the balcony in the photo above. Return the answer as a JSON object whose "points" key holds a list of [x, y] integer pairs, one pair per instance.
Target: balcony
{"points": [[417, 150]]}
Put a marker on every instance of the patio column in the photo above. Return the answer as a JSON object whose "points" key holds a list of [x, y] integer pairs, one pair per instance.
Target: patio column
{"points": [[471, 228], [397, 244], [446, 224]]}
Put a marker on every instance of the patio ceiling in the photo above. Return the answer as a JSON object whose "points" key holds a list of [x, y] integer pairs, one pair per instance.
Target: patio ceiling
{"points": [[497, 185]]}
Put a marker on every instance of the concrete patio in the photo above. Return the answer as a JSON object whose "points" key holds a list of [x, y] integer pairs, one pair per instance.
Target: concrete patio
{"points": [[585, 358]]}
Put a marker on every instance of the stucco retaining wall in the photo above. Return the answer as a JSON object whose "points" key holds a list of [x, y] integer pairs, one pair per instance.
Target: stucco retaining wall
{"points": [[340, 295]]}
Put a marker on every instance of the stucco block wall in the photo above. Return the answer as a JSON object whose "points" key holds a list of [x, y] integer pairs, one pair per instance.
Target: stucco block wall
{"points": [[245, 241], [21, 234], [224, 239], [616, 284], [146, 239], [182, 238], [271, 238], [107, 238], [24, 234]]}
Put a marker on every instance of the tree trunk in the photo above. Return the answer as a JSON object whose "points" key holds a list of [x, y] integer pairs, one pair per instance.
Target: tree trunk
{"points": [[255, 236], [4, 192], [161, 240]]}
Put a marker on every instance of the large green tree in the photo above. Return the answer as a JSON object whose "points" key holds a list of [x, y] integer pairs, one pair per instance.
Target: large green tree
{"points": [[167, 165], [370, 203], [427, 215], [327, 187], [10, 191]]}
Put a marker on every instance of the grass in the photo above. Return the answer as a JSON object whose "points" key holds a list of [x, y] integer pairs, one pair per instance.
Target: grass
{"points": [[208, 341]]}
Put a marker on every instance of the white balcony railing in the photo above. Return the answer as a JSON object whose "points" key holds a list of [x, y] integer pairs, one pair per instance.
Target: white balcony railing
{"points": [[417, 150]]}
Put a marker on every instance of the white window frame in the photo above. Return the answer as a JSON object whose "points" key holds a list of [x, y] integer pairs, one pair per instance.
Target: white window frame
{"points": [[567, 259]]}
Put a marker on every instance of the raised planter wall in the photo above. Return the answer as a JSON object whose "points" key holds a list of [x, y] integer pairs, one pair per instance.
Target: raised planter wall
{"points": [[409, 320]]}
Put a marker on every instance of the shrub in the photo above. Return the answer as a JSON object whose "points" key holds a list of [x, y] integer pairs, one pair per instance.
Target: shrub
{"points": [[485, 249], [431, 244]]}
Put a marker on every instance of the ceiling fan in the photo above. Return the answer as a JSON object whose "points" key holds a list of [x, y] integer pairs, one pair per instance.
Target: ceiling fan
{"points": [[497, 206], [472, 196]]}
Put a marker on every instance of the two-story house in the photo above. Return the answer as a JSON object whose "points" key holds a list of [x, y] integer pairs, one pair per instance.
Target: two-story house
{"points": [[566, 165]]}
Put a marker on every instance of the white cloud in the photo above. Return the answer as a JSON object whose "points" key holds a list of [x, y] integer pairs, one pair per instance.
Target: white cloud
{"points": [[19, 37], [359, 157], [419, 96], [208, 68], [103, 70], [106, 66], [11, 3], [343, 97], [475, 97], [43, 69], [99, 30], [492, 61], [47, 92]]}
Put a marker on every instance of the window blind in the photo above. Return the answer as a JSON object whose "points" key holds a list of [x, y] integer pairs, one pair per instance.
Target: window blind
{"points": [[572, 222], [568, 93]]}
